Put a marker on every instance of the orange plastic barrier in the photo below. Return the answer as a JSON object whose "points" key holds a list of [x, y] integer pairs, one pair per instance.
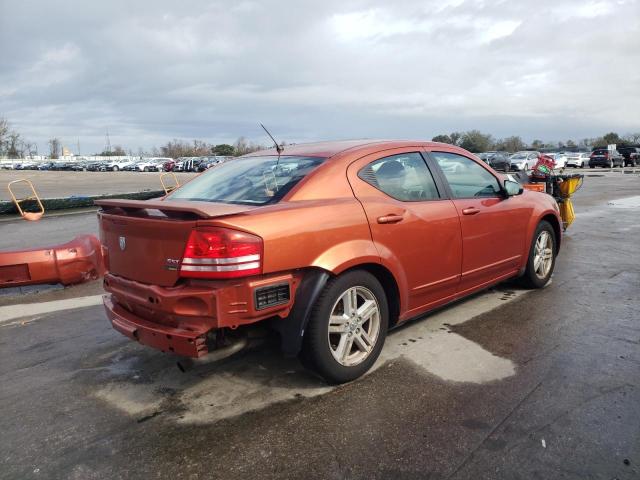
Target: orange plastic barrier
{"points": [[32, 216], [77, 261]]}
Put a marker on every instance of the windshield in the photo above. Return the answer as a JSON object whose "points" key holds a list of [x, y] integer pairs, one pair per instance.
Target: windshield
{"points": [[519, 156], [248, 180]]}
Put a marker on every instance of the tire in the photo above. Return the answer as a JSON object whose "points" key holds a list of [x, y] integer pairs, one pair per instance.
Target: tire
{"points": [[145, 169], [537, 275], [592, 166], [358, 341], [115, 168]]}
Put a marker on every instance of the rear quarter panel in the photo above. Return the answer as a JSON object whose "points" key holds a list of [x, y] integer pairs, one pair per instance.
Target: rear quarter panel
{"points": [[329, 234]]}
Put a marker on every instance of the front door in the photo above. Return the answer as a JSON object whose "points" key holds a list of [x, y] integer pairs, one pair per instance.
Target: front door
{"points": [[415, 229], [493, 226]]}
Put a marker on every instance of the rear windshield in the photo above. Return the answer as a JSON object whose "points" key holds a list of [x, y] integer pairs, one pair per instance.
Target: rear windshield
{"points": [[600, 152], [248, 180]]}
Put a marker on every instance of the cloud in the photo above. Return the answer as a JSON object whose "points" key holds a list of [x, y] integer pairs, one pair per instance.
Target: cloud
{"points": [[151, 71]]}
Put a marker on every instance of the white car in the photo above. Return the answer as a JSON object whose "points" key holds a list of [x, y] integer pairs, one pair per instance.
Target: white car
{"points": [[114, 165], [524, 160], [578, 159]]}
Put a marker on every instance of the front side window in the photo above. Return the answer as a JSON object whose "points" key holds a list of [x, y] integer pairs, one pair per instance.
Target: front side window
{"points": [[248, 180], [404, 177], [466, 178]]}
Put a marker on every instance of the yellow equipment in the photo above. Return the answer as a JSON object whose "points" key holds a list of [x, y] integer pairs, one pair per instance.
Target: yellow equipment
{"points": [[566, 188]]}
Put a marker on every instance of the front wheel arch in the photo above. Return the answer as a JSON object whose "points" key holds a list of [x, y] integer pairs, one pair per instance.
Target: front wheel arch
{"points": [[557, 228]]}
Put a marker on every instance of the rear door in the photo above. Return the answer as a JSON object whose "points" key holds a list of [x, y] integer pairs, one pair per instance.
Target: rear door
{"points": [[414, 227], [493, 227]]}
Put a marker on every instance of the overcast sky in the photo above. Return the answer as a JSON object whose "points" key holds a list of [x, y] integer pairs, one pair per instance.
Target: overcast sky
{"points": [[153, 70]]}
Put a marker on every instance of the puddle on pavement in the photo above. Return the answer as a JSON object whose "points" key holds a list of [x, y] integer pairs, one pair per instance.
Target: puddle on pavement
{"points": [[629, 202], [256, 379]]}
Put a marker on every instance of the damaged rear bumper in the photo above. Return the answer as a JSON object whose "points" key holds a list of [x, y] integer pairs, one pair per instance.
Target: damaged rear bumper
{"points": [[177, 319], [188, 343]]}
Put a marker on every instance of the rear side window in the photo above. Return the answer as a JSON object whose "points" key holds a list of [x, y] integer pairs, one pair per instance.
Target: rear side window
{"points": [[466, 178], [404, 177], [248, 180]]}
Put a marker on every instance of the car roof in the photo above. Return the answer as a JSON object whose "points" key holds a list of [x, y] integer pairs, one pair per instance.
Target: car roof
{"points": [[333, 148]]}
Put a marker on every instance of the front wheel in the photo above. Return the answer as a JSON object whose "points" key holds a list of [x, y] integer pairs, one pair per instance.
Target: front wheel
{"points": [[115, 168], [347, 328], [542, 257]]}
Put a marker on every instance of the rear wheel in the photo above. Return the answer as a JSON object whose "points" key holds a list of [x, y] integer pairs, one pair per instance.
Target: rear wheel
{"points": [[115, 168], [347, 328], [542, 257]]}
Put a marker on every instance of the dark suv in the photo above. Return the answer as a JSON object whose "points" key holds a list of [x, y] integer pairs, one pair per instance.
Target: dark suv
{"points": [[497, 160], [601, 157], [631, 155]]}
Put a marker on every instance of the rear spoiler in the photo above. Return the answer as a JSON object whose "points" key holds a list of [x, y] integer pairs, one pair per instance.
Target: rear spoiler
{"points": [[172, 208]]}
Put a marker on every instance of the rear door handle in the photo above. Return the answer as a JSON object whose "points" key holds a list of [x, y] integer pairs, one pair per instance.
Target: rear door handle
{"points": [[470, 211], [393, 218]]}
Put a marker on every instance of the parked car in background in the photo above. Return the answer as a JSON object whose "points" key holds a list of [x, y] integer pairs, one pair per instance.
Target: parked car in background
{"points": [[96, 166], [45, 166], [26, 165], [208, 162], [496, 160], [631, 155], [384, 233], [78, 166], [113, 165], [169, 165], [524, 160], [602, 157], [560, 158], [578, 159]]}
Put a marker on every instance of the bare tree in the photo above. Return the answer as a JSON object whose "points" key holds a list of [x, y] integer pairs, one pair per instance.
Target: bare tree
{"points": [[4, 131], [632, 137], [54, 148], [13, 145]]}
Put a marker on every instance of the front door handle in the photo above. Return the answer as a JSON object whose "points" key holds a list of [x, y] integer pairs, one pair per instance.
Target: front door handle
{"points": [[393, 218], [470, 211]]}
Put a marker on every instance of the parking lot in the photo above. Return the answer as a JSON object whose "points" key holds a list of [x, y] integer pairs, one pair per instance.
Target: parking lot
{"points": [[65, 184], [507, 384]]}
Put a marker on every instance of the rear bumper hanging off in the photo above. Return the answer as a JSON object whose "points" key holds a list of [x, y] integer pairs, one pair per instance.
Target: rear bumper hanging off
{"points": [[188, 343], [77, 261]]}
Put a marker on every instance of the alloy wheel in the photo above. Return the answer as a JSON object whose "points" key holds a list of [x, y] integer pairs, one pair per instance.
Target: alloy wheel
{"points": [[354, 326], [543, 254]]}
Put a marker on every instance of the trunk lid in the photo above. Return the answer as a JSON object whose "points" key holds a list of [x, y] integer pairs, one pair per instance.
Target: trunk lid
{"points": [[145, 240]]}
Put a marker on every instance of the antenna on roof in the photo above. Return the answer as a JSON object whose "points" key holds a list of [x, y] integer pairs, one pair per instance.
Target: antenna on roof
{"points": [[279, 148]]}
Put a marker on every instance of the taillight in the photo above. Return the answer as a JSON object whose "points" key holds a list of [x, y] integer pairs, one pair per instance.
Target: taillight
{"points": [[221, 253]]}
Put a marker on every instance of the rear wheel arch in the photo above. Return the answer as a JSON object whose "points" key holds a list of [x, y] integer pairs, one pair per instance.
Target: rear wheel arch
{"points": [[389, 284]]}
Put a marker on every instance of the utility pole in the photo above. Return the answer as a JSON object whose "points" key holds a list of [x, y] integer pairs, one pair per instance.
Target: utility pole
{"points": [[78, 147], [107, 145]]}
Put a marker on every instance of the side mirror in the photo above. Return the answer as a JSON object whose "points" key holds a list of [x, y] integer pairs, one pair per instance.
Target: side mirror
{"points": [[512, 188]]}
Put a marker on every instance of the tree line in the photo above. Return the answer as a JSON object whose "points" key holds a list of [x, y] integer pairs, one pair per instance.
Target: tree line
{"points": [[475, 141], [13, 145]]}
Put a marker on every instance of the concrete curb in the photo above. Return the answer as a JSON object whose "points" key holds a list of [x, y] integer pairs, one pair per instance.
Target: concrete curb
{"points": [[8, 208]]}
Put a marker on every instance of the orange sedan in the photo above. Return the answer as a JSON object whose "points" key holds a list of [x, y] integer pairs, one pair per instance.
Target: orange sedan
{"points": [[332, 244]]}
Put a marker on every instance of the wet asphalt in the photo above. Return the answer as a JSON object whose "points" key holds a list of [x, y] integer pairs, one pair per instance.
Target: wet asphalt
{"points": [[80, 401]]}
